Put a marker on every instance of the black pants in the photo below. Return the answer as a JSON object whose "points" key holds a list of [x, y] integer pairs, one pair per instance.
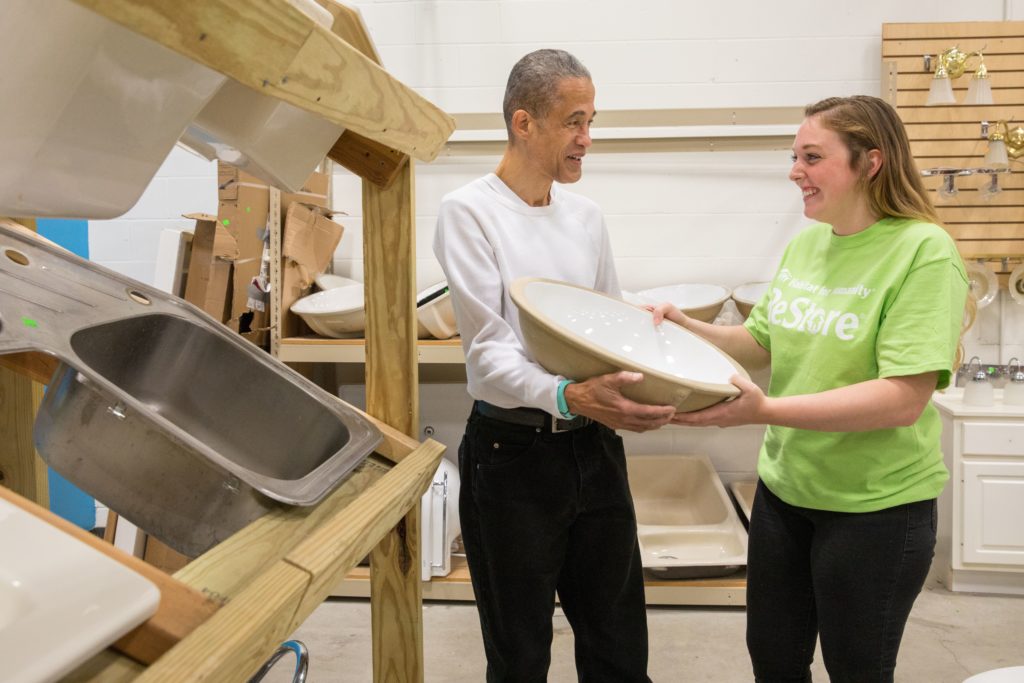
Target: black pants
{"points": [[542, 512], [850, 578]]}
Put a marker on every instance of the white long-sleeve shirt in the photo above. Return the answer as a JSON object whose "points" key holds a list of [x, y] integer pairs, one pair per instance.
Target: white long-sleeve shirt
{"points": [[486, 238]]}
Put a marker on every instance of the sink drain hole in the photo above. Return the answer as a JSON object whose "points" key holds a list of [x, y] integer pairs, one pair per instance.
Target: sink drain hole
{"points": [[139, 297], [17, 257]]}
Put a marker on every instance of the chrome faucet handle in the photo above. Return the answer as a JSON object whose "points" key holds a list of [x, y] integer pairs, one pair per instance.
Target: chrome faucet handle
{"points": [[980, 375], [1015, 376]]}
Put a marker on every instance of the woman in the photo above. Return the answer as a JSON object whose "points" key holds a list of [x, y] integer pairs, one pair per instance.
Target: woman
{"points": [[860, 325]]}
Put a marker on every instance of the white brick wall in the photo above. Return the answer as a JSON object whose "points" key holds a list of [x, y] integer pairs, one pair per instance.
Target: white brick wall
{"points": [[714, 217]]}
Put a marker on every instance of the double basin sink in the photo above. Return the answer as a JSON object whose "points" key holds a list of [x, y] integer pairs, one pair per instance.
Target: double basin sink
{"points": [[161, 412]]}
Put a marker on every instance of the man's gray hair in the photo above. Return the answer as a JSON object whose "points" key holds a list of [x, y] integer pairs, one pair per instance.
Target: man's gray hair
{"points": [[533, 83]]}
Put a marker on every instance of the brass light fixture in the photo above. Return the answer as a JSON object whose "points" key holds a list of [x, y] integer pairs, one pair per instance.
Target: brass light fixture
{"points": [[1003, 144], [950, 65]]}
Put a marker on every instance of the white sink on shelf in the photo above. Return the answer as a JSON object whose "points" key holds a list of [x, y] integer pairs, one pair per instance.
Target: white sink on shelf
{"points": [[91, 110], [61, 601]]}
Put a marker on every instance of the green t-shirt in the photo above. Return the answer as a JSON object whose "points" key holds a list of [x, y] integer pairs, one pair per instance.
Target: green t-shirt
{"points": [[885, 302]]}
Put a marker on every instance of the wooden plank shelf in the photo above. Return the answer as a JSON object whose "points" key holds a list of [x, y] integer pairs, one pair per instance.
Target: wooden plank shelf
{"points": [[728, 590], [323, 350]]}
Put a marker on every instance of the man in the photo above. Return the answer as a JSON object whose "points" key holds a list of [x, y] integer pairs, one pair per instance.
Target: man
{"points": [[544, 501]]}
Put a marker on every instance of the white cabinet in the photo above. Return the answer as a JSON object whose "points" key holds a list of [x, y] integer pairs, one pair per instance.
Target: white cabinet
{"points": [[981, 522]]}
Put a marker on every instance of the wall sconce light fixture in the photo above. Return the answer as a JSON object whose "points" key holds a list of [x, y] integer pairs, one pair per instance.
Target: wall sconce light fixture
{"points": [[948, 189], [951, 65], [1003, 143]]}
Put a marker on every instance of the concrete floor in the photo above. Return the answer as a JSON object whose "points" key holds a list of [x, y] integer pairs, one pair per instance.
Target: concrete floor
{"points": [[950, 637]]}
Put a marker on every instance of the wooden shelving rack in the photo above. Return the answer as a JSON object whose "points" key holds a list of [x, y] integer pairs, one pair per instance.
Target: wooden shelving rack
{"points": [[237, 602]]}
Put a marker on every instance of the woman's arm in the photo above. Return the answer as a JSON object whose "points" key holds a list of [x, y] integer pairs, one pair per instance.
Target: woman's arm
{"points": [[875, 404], [735, 340]]}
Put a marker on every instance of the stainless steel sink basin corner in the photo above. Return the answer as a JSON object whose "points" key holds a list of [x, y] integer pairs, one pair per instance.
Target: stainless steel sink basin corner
{"points": [[161, 412]]}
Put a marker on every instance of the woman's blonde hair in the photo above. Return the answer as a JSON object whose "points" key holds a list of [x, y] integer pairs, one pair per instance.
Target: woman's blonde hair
{"points": [[865, 123]]}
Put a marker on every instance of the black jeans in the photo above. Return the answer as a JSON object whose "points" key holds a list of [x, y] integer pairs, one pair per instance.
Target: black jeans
{"points": [[542, 512], [851, 578]]}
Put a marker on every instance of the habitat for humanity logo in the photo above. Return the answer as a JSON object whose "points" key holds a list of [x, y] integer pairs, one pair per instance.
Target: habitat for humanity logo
{"points": [[804, 315]]}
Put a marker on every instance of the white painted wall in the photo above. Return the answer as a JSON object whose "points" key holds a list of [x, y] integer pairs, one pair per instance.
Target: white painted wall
{"points": [[720, 217]]}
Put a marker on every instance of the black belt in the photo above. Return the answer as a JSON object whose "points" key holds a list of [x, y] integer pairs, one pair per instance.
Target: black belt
{"points": [[530, 417]]}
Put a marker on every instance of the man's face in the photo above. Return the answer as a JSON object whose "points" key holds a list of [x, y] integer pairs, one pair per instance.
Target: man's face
{"points": [[561, 139]]}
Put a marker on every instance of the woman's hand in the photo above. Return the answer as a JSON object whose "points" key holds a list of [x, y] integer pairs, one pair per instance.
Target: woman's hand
{"points": [[747, 408], [667, 311]]}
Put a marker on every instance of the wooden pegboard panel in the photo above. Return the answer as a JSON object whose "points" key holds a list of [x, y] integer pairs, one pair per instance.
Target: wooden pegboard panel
{"points": [[950, 135]]}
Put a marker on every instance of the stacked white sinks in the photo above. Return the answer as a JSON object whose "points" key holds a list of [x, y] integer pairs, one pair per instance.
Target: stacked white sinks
{"points": [[61, 601], [90, 110]]}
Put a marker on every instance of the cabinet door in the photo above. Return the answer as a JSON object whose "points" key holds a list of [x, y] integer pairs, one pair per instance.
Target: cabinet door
{"points": [[993, 509]]}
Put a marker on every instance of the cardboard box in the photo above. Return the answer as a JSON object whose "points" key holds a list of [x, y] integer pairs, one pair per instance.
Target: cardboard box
{"points": [[210, 265], [243, 207], [308, 244]]}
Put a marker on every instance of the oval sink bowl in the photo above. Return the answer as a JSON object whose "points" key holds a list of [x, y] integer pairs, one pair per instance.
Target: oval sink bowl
{"points": [[579, 333], [338, 312], [332, 281], [746, 296], [701, 302], [87, 124], [435, 314]]}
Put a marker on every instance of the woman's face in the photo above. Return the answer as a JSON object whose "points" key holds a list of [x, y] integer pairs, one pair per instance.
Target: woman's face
{"points": [[832, 191]]}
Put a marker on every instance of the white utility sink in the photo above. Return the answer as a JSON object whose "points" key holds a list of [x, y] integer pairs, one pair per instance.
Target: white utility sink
{"points": [[61, 601]]}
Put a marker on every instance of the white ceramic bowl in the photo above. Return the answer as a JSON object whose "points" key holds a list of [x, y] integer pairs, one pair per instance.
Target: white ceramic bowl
{"points": [[332, 281], [579, 333], [747, 295], [91, 110], [699, 301], [264, 136], [337, 312], [435, 315]]}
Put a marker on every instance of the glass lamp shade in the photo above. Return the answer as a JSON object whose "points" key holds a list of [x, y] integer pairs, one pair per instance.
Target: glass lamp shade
{"points": [[996, 156], [979, 91], [940, 92], [947, 190], [990, 189]]}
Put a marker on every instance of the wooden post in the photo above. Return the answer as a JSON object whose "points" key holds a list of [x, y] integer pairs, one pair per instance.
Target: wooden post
{"points": [[392, 395], [21, 468]]}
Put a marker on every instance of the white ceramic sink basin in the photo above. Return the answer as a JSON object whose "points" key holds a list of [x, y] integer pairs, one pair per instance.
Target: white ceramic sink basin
{"points": [[580, 333], [337, 312], [90, 110], [746, 296], [262, 135], [61, 601], [686, 524], [699, 301], [435, 314]]}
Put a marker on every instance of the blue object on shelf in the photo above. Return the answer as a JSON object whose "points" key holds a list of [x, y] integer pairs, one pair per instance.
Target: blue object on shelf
{"points": [[66, 499]]}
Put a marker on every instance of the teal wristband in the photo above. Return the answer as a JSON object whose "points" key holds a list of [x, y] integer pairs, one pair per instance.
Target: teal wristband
{"points": [[563, 407]]}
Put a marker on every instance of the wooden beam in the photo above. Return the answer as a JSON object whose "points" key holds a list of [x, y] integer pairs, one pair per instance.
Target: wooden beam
{"points": [[368, 159], [38, 367], [232, 644], [392, 391], [349, 26], [273, 48], [21, 468]]}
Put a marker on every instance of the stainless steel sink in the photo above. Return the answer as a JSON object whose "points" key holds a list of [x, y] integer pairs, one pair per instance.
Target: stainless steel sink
{"points": [[162, 413]]}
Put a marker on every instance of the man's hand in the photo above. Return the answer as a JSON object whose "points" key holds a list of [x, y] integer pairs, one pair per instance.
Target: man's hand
{"points": [[600, 398]]}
